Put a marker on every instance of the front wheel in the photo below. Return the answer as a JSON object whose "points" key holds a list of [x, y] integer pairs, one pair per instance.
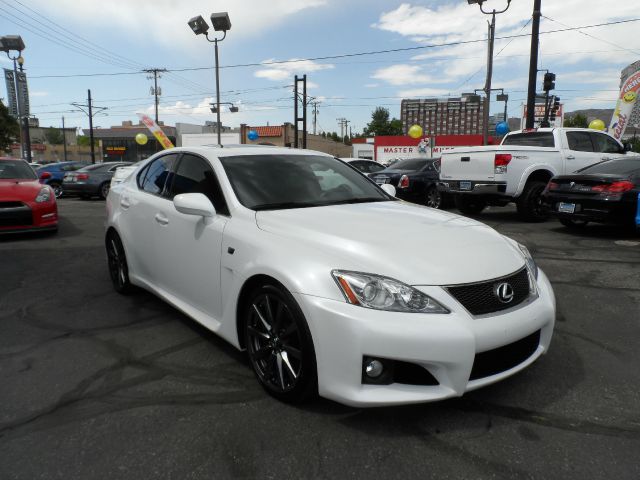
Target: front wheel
{"points": [[433, 198], [104, 190], [470, 204], [279, 344]]}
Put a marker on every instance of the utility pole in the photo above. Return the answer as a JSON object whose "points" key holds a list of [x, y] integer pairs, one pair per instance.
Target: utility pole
{"points": [[346, 129], [533, 63], [155, 91], [315, 114], [89, 106], [341, 121], [64, 140]]}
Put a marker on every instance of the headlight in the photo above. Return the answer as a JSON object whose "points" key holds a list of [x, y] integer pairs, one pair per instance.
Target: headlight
{"points": [[44, 195], [531, 264], [383, 293]]}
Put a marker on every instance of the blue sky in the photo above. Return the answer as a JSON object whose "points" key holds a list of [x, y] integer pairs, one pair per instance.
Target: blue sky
{"points": [[82, 37]]}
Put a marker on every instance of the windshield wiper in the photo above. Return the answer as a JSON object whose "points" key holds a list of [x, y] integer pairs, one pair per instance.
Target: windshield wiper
{"points": [[284, 205]]}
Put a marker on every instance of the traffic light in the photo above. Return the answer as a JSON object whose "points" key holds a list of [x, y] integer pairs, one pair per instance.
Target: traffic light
{"points": [[549, 81], [554, 108]]}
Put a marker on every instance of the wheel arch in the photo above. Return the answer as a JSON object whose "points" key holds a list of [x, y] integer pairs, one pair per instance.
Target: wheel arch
{"points": [[535, 174]]}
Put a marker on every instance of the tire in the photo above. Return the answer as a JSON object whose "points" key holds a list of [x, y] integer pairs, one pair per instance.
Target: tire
{"points": [[58, 191], [529, 203], [433, 198], [104, 190], [574, 224], [470, 204], [279, 345], [117, 263]]}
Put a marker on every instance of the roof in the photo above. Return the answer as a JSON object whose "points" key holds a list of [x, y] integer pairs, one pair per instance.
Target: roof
{"points": [[216, 151], [268, 131]]}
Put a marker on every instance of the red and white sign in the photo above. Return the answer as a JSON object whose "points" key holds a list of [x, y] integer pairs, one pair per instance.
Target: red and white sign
{"points": [[626, 101], [388, 148]]}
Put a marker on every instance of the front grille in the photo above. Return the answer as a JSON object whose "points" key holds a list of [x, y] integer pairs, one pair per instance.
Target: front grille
{"points": [[15, 214], [504, 358], [480, 298]]}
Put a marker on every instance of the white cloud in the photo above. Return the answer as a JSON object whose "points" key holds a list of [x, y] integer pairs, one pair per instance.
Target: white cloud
{"points": [[404, 75], [286, 71]]}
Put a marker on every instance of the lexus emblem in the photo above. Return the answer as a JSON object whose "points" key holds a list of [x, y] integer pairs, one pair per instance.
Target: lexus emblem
{"points": [[504, 292]]}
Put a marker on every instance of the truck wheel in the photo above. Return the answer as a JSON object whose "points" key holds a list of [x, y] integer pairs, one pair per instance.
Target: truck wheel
{"points": [[530, 206], [470, 204]]}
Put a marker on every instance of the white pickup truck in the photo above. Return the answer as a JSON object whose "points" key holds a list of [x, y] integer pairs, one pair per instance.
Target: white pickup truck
{"points": [[520, 167]]}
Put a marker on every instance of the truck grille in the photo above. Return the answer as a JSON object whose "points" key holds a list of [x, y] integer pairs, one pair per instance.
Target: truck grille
{"points": [[481, 298]]}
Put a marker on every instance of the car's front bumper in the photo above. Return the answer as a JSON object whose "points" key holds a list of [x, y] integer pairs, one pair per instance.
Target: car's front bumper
{"points": [[445, 345], [34, 217]]}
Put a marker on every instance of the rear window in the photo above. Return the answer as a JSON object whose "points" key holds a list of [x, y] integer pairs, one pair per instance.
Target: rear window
{"points": [[623, 166], [531, 139], [95, 166], [411, 164]]}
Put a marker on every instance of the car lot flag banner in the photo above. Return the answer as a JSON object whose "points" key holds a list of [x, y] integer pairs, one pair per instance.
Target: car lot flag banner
{"points": [[627, 99], [156, 130]]}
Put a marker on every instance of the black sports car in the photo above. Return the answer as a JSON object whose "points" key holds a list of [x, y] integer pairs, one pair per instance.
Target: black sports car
{"points": [[606, 192], [415, 180]]}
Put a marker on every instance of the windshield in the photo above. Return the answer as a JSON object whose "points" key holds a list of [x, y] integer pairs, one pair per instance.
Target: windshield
{"points": [[624, 166], [530, 139], [16, 170], [410, 164], [270, 182]]}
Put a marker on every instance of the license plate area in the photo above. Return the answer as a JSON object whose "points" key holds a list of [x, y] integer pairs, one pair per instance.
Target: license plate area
{"points": [[465, 185], [566, 207]]}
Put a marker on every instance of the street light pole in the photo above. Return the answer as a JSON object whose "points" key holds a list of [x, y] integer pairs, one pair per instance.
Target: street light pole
{"points": [[221, 23], [487, 85], [533, 64]]}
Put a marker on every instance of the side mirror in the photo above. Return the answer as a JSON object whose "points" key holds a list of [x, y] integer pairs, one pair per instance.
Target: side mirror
{"points": [[388, 188], [45, 175], [194, 204]]}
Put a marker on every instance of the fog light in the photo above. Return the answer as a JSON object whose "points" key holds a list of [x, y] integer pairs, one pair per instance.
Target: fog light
{"points": [[373, 369]]}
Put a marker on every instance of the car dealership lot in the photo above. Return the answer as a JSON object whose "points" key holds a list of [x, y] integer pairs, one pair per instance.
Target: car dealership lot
{"points": [[97, 385]]}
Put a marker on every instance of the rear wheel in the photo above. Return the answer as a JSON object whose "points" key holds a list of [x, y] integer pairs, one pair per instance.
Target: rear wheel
{"points": [[433, 197], [573, 224], [118, 267], [279, 344], [57, 189], [104, 190], [470, 204], [530, 205]]}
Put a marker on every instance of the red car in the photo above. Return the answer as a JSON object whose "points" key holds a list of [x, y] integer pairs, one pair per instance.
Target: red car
{"points": [[25, 204]]}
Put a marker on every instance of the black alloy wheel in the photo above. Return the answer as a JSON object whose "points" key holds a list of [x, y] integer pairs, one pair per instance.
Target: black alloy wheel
{"points": [[57, 189], [433, 197], [530, 206], [104, 190], [279, 345], [117, 261]]}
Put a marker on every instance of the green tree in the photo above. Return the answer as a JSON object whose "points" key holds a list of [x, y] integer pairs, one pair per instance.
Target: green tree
{"points": [[85, 141], [54, 136], [335, 137], [380, 124], [9, 128], [577, 120]]}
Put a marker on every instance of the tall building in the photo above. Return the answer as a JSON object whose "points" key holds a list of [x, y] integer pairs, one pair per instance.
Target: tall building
{"points": [[443, 116], [635, 113]]}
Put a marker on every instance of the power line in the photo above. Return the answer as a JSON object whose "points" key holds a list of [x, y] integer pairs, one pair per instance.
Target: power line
{"points": [[357, 54]]}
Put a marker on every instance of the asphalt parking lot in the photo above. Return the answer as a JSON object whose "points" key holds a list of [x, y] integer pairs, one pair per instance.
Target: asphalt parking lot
{"points": [[97, 385]]}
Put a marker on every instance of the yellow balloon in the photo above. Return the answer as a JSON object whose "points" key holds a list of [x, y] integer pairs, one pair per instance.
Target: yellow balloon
{"points": [[141, 139], [597, 124], [415, 131]]}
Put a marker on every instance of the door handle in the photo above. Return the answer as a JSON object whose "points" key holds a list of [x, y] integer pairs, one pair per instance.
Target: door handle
{"points": [[124, 203], [571, 157], [161, 219]]}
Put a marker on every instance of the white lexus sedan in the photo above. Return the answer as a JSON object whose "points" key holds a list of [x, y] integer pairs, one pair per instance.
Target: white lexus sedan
{"points": [[332, 285]]}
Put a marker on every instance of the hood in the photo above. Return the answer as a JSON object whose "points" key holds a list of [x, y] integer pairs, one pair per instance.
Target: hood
{"points": [[413, 244], [22, 190]]}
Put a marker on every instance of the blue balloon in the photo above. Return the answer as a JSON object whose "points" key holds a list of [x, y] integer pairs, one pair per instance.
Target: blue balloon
{"points": [[502, 128], [252, 135]]}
